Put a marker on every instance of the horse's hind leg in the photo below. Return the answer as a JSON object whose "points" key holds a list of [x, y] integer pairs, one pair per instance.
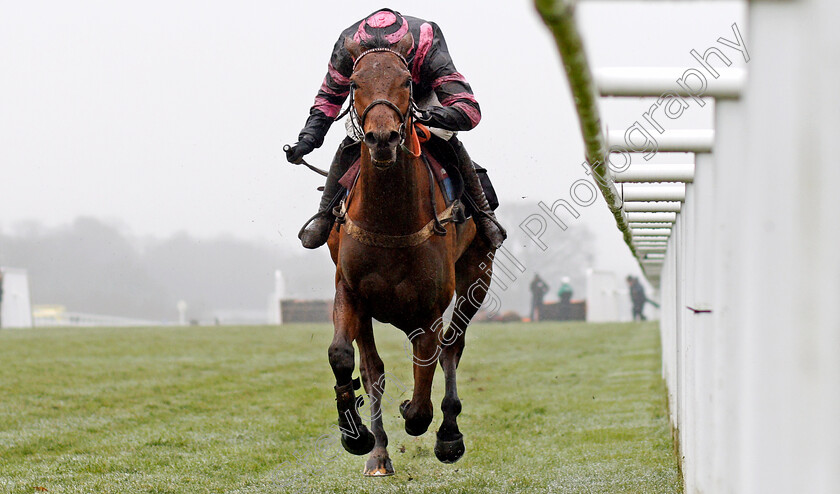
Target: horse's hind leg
{"points": [[473, 268], [373, 376], [348, 317]]}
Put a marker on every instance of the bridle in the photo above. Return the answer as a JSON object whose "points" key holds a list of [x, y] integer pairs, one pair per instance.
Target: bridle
{"points": [[436, 226], [358, 122]]}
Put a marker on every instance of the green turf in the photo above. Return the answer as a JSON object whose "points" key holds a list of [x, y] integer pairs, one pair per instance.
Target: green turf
{"points": [[546, 408]]}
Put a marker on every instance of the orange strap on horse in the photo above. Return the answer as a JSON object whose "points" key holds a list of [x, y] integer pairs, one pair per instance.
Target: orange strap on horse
{"points": [[416, 134]]}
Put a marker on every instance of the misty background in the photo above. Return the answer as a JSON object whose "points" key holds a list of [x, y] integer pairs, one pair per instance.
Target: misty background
{"points": [[141, 144], [98, 267]]}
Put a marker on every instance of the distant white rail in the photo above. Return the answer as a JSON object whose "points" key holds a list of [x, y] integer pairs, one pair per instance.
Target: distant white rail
{"points": [[640, 224], [82, 319], [650, 232], [651, 217], [653, 207]]}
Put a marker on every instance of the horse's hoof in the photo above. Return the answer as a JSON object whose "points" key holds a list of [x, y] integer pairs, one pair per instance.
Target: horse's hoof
{"points": [[378, 466], [450, 451], [415, 426], [361, 445]]}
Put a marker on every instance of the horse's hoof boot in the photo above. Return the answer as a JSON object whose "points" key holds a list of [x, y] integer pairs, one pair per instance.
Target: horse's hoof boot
{"points": [[449, 451], [361, 445]]}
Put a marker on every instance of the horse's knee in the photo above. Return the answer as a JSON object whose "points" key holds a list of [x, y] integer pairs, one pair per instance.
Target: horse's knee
{"points": [[452, 353], [341, 359]]}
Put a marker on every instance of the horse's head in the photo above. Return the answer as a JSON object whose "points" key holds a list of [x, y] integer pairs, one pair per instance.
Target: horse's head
{"points": [[381, 85]]}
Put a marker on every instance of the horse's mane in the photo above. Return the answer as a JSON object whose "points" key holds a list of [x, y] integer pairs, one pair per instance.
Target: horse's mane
{"points": [[377, 41]]}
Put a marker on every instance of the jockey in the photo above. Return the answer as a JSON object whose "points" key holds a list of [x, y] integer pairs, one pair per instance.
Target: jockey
{"points": [[443, 93]]}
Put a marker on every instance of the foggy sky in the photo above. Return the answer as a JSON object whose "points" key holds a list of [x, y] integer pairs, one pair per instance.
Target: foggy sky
{"points": [[171, 116]]}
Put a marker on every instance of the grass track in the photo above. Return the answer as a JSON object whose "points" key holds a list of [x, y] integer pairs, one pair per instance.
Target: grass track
{"points": [[546, 408]]}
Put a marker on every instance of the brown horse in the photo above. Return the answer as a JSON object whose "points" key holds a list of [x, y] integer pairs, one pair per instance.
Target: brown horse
{"points": [[394, 264]]}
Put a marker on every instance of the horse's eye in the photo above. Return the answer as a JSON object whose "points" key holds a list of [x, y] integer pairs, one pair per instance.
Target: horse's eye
{"points": [[353, 85], [407, 83]]}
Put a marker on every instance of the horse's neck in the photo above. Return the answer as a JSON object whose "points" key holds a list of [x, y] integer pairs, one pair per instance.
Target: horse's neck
{"points": [[394, 201]]}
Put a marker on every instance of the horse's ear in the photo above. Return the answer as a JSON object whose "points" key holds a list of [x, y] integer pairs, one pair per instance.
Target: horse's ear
{"points": [[404, 46], [353, 47]]}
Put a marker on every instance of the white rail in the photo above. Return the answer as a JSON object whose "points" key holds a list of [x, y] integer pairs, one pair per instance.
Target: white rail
{"points": [[560, 19], [682, 172], [650, 232], [82, 319], [652, 192], [653, 207], [677, 141], [657, 81], [651, 217]]}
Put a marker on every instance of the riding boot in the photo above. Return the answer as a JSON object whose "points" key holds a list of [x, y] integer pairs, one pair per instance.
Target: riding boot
{"points": [[485, 220], [317, 230]]}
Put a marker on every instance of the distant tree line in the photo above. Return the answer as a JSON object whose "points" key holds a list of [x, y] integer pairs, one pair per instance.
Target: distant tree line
{"points": [[93, 266], [96, 266]]}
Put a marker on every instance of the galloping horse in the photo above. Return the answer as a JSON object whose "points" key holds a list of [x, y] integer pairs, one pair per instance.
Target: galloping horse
{"points": [[398, 261]]}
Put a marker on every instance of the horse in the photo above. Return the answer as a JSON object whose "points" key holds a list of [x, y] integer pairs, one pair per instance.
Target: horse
{"points": [[399, 259]]}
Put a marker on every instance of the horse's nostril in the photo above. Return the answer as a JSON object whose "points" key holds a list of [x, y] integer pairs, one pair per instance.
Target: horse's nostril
{"points": [[370, 139], [382, 139], [394, 138]]}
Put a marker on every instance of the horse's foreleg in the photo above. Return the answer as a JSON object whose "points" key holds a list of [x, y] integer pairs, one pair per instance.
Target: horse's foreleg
{"points": [[373, 376], [347, 317], [419, 411]]}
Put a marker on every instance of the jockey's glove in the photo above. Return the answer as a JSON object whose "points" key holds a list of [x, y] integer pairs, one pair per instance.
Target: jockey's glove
{"points": [[305, 146], [423, 116]]}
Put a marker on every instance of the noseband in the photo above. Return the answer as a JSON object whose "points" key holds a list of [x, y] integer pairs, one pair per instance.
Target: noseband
{"points": [[403, 116], [389, 104]]}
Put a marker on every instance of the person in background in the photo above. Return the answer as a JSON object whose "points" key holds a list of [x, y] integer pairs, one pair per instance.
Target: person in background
{"points": [[565, 294], [637, 298], [538, 290]]}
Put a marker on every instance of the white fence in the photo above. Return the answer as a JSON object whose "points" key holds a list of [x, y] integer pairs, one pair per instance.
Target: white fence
{"points": [[15, 304], [57, 316], [749, 272]]}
